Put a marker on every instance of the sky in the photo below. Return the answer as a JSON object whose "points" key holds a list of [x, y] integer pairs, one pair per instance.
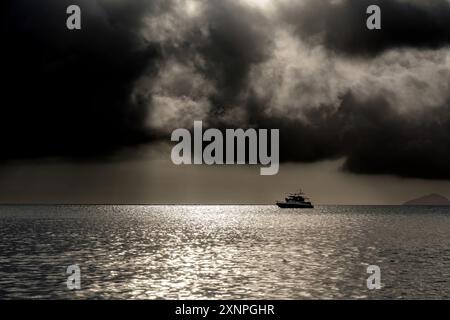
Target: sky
{"points": [[86, 116]]}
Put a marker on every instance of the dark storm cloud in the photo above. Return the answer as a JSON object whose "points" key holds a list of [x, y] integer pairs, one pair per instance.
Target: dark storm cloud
{"points": [[228, 40], [371, 135], [68, 92], [238, 38], [341, 25], [73, 93]]}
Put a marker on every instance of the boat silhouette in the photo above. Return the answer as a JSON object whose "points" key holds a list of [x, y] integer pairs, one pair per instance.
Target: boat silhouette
{"points": [[295, 200]]}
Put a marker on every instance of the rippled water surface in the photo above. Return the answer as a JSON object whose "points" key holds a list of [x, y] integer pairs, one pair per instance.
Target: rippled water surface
{"points": [[196, 252]]}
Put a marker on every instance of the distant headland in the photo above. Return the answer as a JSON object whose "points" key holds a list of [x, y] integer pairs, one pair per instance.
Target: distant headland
{"points": [[433, 199]]}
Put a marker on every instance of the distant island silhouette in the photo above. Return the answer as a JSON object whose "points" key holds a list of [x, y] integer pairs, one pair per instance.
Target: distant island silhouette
{"points": [[433, 199]]}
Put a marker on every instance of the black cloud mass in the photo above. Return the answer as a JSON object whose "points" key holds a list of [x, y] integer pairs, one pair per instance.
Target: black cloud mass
{"points": [[340, 24], [68, 93], [138, 69]]}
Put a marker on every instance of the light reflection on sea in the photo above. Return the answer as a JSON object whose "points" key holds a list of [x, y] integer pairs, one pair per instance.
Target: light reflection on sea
{"points": [[224, 252]]}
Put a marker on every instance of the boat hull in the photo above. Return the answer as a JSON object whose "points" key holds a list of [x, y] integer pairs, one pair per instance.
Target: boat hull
{"points": [[285, 205]]}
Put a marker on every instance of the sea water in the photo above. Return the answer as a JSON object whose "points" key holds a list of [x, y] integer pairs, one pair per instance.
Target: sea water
{"points": [[224, 252]]}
